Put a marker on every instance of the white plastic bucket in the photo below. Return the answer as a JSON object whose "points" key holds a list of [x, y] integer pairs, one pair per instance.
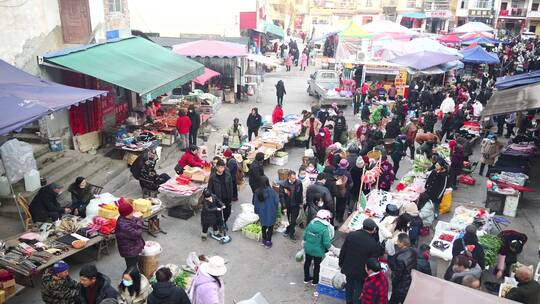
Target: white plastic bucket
{"points": [[4, 186], [32, 181]]}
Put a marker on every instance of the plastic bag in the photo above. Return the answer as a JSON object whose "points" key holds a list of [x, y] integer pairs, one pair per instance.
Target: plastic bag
{"points": [[339, 281], [18, 159], [244, 219], [446, 202], [299, 256], [302, 218], [467, 180]]}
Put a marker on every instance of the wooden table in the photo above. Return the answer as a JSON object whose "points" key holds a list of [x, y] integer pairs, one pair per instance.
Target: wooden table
{"points": [[152, 223], [29, 280]]}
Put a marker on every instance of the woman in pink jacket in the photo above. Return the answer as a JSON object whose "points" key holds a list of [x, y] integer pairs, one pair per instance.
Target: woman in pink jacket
{"points": [[207, 286]]}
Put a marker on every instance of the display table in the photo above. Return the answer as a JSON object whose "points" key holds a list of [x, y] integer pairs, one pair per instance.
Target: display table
{"points": [[503, 204]]}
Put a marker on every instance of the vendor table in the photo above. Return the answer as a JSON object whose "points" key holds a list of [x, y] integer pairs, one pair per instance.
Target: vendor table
{"points": [[502, 203], [29, 280], [152, 223]]}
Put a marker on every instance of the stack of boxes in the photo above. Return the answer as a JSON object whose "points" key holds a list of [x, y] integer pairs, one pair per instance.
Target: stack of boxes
{"points": [[329, 269]]}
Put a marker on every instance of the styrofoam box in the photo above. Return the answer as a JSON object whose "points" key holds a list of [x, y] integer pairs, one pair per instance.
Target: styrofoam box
{"points": [[327, 274], [330, 261], [279, 161]]}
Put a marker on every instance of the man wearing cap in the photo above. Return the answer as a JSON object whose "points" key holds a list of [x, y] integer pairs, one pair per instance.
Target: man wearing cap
{"points": [[45, 205], [94, 286], [129, 229], [57, 287], [358, 247]]}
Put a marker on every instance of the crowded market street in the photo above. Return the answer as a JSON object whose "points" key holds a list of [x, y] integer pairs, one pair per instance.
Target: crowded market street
{"points": [[274, 272]]}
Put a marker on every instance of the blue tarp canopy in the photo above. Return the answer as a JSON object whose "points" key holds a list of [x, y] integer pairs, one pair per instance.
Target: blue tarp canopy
{"points": [[508, 82], [477, 54], [482, 40], [25, 98]]}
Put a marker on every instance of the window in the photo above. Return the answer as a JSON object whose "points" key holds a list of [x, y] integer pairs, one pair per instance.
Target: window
{"points": [[115, 6], [532, 28], [483, 4], [462, 4], [534, 7]]}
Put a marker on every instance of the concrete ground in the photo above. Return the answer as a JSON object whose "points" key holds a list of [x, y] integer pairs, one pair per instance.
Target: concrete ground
{"points": [[252, 268]]}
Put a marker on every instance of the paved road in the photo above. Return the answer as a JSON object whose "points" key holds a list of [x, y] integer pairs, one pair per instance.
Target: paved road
{"points": [[251, 268]]}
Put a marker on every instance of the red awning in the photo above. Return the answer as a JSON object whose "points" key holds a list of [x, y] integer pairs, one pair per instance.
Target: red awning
{"points": [[211, 48], [450, 38], [248, 20], [207, 75]]}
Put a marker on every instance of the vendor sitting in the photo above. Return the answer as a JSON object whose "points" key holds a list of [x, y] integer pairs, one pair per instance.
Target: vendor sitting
{"points": [[45, 205], [191, 158], [81, 194]]}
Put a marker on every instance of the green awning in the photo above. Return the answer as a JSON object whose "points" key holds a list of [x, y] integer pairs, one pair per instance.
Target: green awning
{"points": [[273, 29], [133, 63]]}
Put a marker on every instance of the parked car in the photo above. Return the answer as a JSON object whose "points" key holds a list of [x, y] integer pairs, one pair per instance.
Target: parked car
{"points": [[322, 84]]}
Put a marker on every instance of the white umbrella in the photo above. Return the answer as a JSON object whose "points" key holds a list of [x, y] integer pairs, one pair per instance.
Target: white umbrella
{"points": [[471, 27], [386, 26]]}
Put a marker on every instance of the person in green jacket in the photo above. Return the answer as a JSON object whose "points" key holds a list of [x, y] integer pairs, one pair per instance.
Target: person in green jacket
{"points": [[317, 240]]}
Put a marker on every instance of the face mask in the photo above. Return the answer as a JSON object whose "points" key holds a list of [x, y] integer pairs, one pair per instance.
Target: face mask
{"points": [[301, 177], [320, 203], [127, 283]]}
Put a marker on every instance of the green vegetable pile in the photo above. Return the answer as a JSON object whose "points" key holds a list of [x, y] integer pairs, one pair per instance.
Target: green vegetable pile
{"points": [[376, 116], [444, 152], [421, 164], [491, 244], [407, 180], [181, 279], [254, 228]]}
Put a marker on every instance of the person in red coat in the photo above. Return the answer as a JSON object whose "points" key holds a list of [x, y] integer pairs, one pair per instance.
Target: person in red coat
{"points": [[321, 142], [375, 290], [191, 158], [183, 124], [277, 115]]}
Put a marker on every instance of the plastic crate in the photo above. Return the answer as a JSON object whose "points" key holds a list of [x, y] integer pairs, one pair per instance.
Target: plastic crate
{"points": [[250, 235], [327, 274], [330, 292]]}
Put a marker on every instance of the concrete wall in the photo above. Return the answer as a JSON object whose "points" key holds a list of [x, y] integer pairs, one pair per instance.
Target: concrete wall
{"points": [[173, 17], [29, 30]]}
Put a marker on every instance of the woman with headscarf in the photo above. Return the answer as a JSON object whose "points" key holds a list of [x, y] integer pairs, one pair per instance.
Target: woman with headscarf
{"points": [[235, 134], [321, 142], [387, 175], [81, 194]]}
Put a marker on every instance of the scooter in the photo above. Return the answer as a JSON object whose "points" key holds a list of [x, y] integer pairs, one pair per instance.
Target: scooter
{"points": [[222, 238]]}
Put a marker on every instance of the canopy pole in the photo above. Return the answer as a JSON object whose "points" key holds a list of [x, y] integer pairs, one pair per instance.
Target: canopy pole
{"points": [[13, 195], [443, 77]]}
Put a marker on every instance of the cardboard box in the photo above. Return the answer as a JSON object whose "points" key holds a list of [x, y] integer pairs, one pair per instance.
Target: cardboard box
{"points": [[200, 177], [142, 205], [272, 145], [279, 161], [84, 143], [7, 284]]}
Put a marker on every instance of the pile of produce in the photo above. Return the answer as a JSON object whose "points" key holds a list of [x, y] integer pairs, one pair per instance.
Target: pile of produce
{"points": [[443, 151], [182, 277], [421, 164], [253, 228], [491, 244]]}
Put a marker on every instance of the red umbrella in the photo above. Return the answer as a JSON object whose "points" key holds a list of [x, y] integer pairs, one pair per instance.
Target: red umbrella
{"points": [[450, 38]]}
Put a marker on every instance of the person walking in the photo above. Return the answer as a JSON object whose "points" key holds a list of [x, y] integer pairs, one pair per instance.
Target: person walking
{"points": [[220, 185], [375, 288], [291, 198], [402, 264], [410, 132], [183, 125], [318, 190], [436, 184], [256, 171], [134, 287], [510, 121], [165, 292], [318, 238], [303, 61], [280, 89], [128, 232], [94, 286], [266, 205], [210, 214], [344, 185], [289, 61], [195, 118], [399, 150], [235, 133], [232, 166], [456, 165], [253, 123], [207, 287], [322, 142], [312, 125], [358, 247], [57, 287], [489, 151], [340, 127]]}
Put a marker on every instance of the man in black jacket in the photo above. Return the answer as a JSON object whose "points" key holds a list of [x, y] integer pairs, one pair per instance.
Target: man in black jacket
{"points": [[357, 248], [436, 183], [340, 126], [319, 188], [254, 122], [220, 185], [45, 205], [401, 264], [291, 197], [195, 118], [95, 286], [256, 170], [165, 292]]}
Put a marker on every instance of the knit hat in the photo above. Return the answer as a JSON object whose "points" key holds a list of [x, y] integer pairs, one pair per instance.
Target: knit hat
{"points": [[360, 162], [411, 208], [369, 224], [227, 153], [324, 214], [343, 164], [59, 267], [124, 208]]}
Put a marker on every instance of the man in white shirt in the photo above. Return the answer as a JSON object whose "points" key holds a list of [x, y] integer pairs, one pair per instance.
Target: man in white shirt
{"points": [[448, 105], [477, 108]]}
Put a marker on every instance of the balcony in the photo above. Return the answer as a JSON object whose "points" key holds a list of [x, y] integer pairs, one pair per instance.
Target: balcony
{"points": [[513, 12], [437, 5], [533, 14]]}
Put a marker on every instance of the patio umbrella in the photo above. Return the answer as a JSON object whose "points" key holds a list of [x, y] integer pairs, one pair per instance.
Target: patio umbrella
{"points": [[479, 55], [470, 27], [427, 44], [424, 59], [354, 31], [450, 38], [386, 26], [482, 40]]}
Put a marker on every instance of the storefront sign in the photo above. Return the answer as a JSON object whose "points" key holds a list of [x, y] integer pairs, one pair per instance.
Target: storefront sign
{"points": [[438, 14], [480, 13], [401, 82]]}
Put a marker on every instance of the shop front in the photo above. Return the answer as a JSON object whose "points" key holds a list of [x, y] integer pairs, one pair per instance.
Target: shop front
{"points": [[481, 15], [437, 21], [508, 25]]}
